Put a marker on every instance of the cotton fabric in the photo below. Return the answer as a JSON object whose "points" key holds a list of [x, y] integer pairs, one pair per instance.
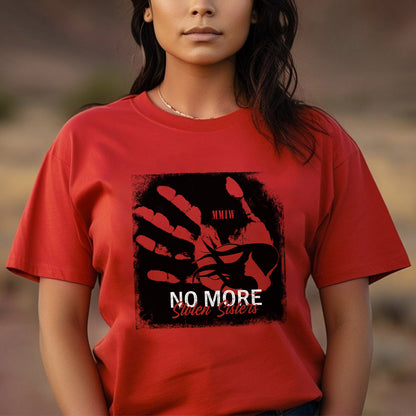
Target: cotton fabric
{"points": [[203, 239]]}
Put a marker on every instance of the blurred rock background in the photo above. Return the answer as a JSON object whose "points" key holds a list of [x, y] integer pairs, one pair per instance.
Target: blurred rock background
{"points": [[356, 59]]}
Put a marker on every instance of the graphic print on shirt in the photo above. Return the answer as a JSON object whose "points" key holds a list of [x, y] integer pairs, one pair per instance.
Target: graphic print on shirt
{"points": [[208, 250]]}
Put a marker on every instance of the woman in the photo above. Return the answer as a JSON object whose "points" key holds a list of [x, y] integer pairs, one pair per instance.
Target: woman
{"points": [[203, 201]]}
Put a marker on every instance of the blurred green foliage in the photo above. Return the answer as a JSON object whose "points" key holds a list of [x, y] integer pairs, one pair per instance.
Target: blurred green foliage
{"points": [[100, 87], [8, 106]]}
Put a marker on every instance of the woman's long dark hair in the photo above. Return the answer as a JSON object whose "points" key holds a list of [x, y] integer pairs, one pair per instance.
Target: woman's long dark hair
{"points": [[265, 77]]}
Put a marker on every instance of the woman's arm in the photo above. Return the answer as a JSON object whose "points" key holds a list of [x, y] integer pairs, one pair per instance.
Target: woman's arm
{"points": [[66, 354], [347, 314]]}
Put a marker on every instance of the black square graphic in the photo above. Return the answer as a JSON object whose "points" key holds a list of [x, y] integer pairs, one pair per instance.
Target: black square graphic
{"points": [[208, 250]]}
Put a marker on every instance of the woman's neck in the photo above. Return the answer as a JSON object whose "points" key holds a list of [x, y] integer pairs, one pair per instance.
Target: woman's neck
{"points": [[197, 91]]}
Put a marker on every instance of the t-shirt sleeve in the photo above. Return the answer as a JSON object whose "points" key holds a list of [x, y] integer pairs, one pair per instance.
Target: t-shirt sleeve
{"points": [[357, 237], [52, 239]]}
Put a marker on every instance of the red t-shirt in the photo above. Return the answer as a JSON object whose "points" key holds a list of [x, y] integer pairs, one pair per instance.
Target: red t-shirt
{"points": [[203, 238]]}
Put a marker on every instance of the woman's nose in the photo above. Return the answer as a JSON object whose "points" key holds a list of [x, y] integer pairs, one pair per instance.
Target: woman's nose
{"points": [[203, 8]]}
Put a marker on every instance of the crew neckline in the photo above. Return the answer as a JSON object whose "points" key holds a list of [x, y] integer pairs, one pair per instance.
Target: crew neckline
{"points": [[148, 109]]}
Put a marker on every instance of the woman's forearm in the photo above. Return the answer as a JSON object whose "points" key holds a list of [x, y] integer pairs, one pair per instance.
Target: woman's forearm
{"points": [[71, 371], [66, 354], [346, 371]]}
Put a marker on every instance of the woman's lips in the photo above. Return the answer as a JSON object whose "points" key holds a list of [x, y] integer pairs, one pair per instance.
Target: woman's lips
{"points": [[202, 37], [202, 34]]}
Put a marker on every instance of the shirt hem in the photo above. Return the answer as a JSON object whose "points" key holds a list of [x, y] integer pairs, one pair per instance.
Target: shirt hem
{"points": [[34, 273], [374, 272]]}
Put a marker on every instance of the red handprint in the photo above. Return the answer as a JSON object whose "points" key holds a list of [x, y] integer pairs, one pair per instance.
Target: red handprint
{"points": [[230, 266]]}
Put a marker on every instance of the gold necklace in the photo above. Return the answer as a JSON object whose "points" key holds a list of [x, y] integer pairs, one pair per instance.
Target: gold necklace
{"points": [[179, 113]]}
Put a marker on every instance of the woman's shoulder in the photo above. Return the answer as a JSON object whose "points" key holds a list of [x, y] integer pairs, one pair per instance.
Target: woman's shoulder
{"points": [[329, 134], [88, 127], [95, 114]]}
